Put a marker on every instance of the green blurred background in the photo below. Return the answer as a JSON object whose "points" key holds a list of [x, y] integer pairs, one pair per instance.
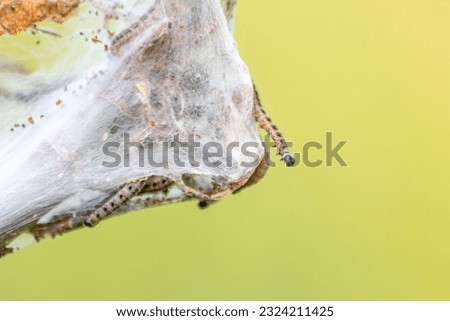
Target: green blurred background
{"points": [[375, 73]]}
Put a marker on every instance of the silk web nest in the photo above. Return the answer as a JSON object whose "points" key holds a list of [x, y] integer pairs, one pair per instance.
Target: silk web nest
{"points": [[150, 74]]}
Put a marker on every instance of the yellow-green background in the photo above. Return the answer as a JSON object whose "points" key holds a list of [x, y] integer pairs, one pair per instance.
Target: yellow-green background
{"points": [[375, 73]]}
